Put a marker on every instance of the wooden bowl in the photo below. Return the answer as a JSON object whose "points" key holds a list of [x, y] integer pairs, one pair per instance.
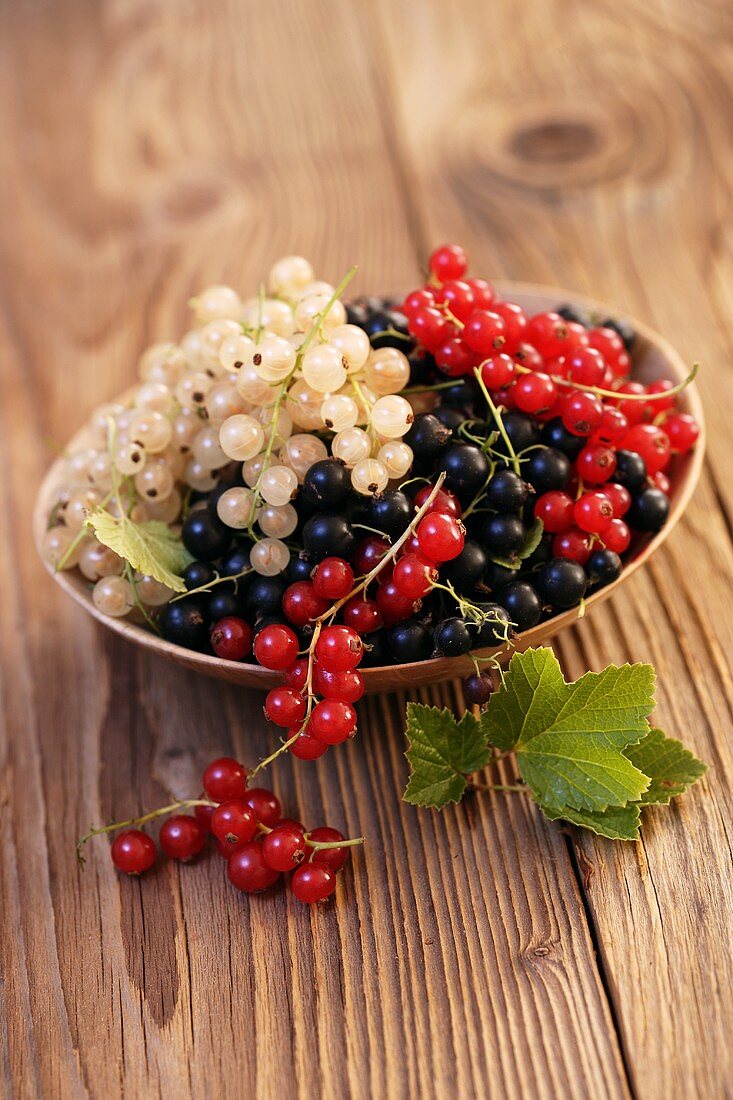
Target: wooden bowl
{"points": [[654, 358]]}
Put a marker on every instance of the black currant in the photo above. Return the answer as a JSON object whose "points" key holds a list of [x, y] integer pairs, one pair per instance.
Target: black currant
{"points": [[522, 603], [630, 471], [522, 431], [498, 575], [574, 313], [603, 567], [648, 511], [236, 561], [547, 469], [377, 653], [452, 418], [504, 534], [555, 434], [427, 437], [467, 570], [198, 573], [466, 468], [495, 629], [452, 637], [477, 689], [506, 492], [399, 338], [327, 484], [327, 535], [183, 622], [223, 602], [461, 394], [561, 583], [390, 512], [409, 641], [264, 596], [205, 536], [299, 568]]}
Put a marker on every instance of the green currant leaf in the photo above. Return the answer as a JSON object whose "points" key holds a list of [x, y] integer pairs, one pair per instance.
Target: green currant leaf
{"points": [[441, 753], [533, 539], [569, 738], [616, 823], [671, 767], [150, 547]]}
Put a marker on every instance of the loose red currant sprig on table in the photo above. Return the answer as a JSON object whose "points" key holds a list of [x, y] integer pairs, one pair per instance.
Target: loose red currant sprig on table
{"points": [[249, 830]]}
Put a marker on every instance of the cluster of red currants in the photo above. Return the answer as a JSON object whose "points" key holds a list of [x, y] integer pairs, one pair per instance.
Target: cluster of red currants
{"points": [[249, 831]]}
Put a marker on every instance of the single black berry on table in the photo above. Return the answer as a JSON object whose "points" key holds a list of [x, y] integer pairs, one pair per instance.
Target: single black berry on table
{"points": [[561, 583], [523, 604], [506, 492], [603, 567], [327, 484], [547, 469], [328, 535], [205, 536], [452, 637], [649, 510]]}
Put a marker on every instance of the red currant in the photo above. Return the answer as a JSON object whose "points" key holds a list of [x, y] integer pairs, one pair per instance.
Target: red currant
{"points": [[441, 537], [248, 871], [485, 332], [335, 858], [634, 411], [515, 323], [593, 512], [234, 823], [395, 607], [362, 614], [302, 604], [203, 816], [608, 342], [297, 674], [225, 778], [498, 371], [582, 413], [616, 536], [429, 327], [333, 578], [313, 882], [682, 431], [612, 427], [347, 686], [548, 332], [660, 481], [284, 848], [555, 509], [285, 706], [458, 297], [483, 293], [307, 747], [133, 852], [418, 299], [651, 443], [443, 501], [412, 578], [619, 496], [332, 721], [659, 404], [448, 262], [276, 647], [453, 357], [182, 837], [369, 553], [573, 544], [586, 366], [577, 335], [528, 356], [596, 463], [264, 804], [231, 638], [534, 393], [339, 648]]}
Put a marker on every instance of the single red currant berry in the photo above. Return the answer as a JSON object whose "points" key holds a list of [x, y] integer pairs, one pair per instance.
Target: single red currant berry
{"points": [[651, 443], [224, 779], [448, 262], [313, 882], [515, 324], [362, 614], [593, 512], [418, 299], [339, 648], [276, 647], [577, 335], [182, 837], [443, 501], [335, 858], [485, 332], [616, 536], [535, 393], [498, 371], [285, 706], [429, 327], [608, 342], [231, 638], [612, 427], [661, 481], [573, 544], [296, 675], [528, 356], [653, 408], [634, 411], [307, 747], [483, 293], [133, 852], [586, 366], [302, 603], [234, 823], [582, 413], [619, 496], [265, 805], [453, 357], [413, 577], [682, 431], [347, 686], [332, 721], [284, 848], [395, 607], [369, 552], [458, 297], [333, 578], [555, 509], [596, 463], [248, 871], [203, 816], [441, 537], [548, 332]]}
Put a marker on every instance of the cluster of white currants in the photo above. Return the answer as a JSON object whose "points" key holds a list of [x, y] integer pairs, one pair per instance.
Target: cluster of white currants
{"points": [[250, 383]]}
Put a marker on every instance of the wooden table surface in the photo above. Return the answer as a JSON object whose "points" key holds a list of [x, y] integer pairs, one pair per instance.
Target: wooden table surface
{"points": [[150, 147]]}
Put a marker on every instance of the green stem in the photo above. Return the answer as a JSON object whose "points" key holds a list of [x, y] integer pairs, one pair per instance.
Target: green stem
{"points": [[130, 574], [212, 584], [183, 804], [599, 392], [499, 422]]}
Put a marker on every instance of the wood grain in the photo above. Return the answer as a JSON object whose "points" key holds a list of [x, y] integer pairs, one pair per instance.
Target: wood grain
{"points": [[151, 148]]}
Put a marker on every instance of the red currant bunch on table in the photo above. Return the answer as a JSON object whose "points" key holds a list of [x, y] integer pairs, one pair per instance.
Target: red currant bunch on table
{"points": [[247, 827]]}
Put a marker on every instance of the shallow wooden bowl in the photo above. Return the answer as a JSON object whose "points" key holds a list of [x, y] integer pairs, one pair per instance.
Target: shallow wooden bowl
{"points": [[654, 358]]}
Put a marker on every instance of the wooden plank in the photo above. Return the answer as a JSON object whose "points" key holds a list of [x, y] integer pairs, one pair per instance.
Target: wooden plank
{"points": [[584, 166], [149, 149]]}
